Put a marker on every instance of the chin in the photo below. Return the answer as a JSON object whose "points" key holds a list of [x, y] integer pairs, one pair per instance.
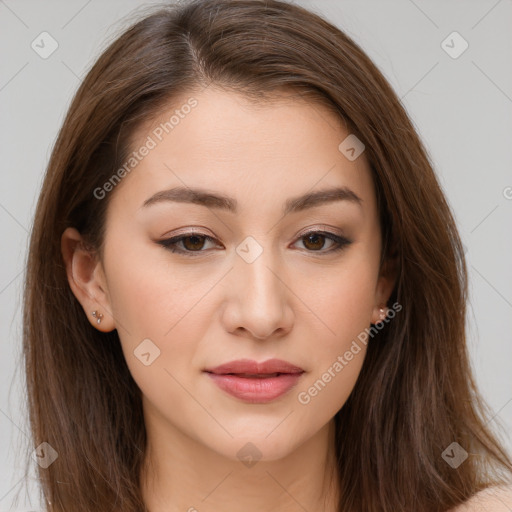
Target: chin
{"points": [[256, 448]]}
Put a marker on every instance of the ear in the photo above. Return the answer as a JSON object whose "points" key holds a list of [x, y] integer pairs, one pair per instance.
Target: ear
{"points": [[385, 284], [87, 280]]}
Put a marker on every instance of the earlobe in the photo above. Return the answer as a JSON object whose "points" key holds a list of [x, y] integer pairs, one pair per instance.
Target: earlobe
{"points": [[380, 312], [86, 280]]}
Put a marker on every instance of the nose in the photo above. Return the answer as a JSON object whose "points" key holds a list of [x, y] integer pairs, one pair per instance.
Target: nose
{"points": [[259, 298]]}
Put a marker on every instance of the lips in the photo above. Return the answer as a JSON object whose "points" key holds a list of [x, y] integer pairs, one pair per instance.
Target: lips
{"points": [[255, 382]]}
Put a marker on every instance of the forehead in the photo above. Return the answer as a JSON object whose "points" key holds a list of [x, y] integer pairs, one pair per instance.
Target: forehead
{"points": [[219, 140]]}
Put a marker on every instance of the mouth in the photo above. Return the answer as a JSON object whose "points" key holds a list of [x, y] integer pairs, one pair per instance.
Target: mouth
{"points": [[254, 382]]}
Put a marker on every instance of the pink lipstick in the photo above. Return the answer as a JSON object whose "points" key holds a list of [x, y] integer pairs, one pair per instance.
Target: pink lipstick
{"points": [[256, 382]]}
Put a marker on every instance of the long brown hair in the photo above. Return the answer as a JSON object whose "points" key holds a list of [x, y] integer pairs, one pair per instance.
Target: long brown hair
{"points": [[416, 394]]}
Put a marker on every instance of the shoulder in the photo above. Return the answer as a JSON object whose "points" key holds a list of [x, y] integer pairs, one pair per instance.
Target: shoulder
{"points": [[497, 499]]}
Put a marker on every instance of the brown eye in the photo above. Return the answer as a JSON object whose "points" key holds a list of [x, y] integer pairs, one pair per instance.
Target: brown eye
{"points": [[196, 242], [314, 241], [187, 244]]}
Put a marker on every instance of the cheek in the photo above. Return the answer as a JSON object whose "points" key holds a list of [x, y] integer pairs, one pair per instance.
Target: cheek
{"points": [[344, 308], [345, 300], [336, 362], [149, 297], [170, 305]]}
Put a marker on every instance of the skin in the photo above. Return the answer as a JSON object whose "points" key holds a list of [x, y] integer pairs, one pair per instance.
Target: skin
{"points": [[293, 302], [497, 499]]}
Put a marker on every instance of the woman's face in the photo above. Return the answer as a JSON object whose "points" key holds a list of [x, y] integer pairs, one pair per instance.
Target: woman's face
{"points": [[260, 288]]}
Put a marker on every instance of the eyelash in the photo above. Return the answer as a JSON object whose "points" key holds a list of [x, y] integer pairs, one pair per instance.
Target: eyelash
{"points": [[170, 243]]}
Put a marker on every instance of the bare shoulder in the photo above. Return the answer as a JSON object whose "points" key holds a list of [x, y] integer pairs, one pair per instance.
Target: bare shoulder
{"points": [[495, 499]]}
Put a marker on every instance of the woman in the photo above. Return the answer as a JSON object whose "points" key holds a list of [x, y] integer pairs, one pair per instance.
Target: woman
{"points": [[246, 285]]}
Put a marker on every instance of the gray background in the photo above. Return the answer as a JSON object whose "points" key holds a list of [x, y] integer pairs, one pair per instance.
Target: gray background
{"points": [[461, 107]]}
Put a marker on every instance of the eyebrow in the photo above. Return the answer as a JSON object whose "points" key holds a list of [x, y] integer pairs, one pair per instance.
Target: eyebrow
{"points": [[211, 199]]}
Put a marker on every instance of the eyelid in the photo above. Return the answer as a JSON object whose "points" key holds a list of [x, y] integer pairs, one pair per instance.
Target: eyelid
{"points": [[321, 228]]}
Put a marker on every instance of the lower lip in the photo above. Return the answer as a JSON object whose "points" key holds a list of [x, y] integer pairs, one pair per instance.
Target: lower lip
{"points": [[254, 390]]}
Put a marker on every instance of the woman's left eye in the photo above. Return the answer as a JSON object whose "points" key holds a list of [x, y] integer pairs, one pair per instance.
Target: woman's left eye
{"points": [[314, 238], [194, 242]]}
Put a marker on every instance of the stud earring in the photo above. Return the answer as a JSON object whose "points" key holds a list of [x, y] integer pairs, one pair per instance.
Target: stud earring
{"points": [[383, 313], [98, 316]]}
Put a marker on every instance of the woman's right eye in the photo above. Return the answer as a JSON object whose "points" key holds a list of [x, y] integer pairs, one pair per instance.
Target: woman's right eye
{"points": [[193, 243]]}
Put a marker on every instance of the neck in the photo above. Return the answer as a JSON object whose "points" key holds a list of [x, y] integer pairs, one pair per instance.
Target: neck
{"points": [[181, 474]]}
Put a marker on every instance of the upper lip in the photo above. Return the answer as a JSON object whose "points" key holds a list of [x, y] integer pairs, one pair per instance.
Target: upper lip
{"points": [[251, 367]]}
